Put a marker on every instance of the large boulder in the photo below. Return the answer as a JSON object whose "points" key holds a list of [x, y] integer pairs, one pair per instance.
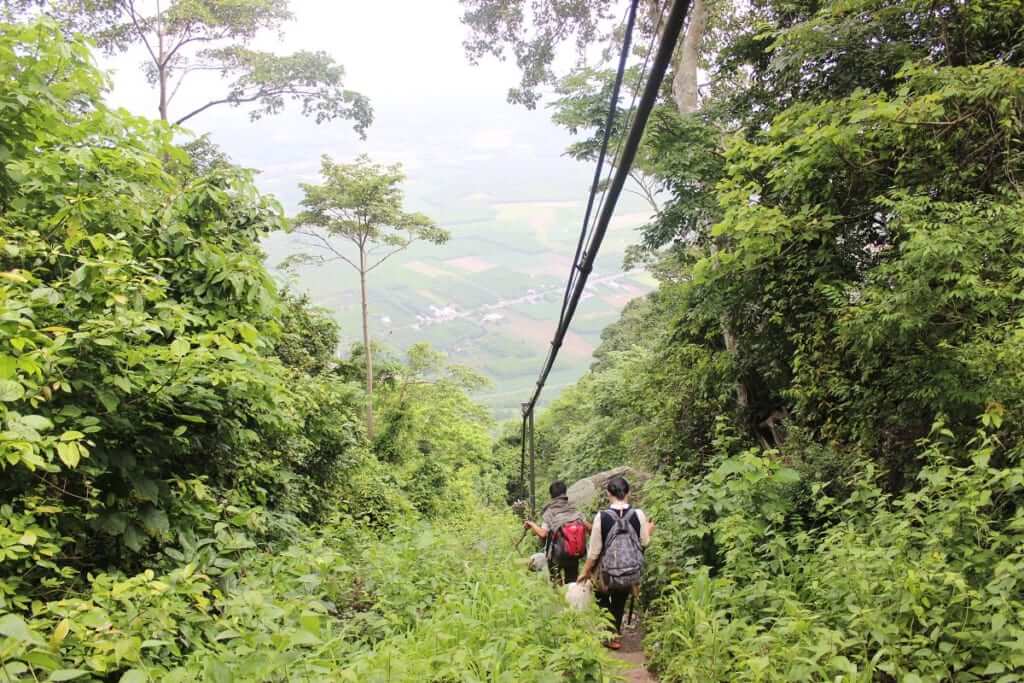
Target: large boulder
{"points": [[585, 492]]}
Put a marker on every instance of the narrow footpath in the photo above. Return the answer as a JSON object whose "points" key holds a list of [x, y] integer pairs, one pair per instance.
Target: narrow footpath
{"points": [[632, 653]]}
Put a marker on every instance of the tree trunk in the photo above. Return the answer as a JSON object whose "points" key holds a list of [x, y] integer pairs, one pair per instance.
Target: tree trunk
{"points": [[366, 343], [684, 85], [161, 70], [685, 93], [163, 94]]}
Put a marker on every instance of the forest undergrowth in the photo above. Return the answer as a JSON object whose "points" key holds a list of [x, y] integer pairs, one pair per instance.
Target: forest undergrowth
{"points": [[432, 602]]}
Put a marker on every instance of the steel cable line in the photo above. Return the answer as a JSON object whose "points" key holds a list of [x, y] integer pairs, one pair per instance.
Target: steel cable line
{"points": [[629, 115], [630, 146], [605, 139]]}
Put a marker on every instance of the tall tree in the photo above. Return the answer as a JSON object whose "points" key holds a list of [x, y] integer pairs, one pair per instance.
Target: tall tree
{"points": [[360, 205], [183, 37]]}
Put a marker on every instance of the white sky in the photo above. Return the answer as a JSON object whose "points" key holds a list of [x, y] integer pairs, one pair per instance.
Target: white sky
{"points": [[446, 121]]}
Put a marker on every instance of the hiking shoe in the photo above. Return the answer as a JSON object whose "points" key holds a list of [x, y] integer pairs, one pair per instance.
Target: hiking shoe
{"points": [[613, 644]]}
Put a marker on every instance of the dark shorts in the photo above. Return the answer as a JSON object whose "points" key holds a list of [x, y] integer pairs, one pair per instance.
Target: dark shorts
{"points": [[565, 571]]}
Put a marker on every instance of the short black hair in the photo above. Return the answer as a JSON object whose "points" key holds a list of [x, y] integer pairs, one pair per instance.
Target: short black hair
{"points": [[618, 487], [557, 488]]}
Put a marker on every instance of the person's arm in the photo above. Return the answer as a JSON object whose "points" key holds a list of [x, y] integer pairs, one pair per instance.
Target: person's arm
{"points": [[541, 532], [593, 550], [646, 528]]}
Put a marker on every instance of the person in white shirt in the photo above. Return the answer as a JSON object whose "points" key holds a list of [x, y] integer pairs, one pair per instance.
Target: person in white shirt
{"points": [[618, 504]]}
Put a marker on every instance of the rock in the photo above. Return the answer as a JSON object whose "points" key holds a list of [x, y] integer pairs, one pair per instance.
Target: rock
{"points": [[585, 491]]}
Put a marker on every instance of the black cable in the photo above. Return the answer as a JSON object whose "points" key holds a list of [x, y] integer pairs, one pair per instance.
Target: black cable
{"points": [[641, 74], [586, 233], [606, 138], [630, 111], [673, 27]]}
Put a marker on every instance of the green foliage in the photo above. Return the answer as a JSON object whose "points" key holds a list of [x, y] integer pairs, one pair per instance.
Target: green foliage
{"points": [[173, 426], [840, 264], [923, 586], [312, 79], [309, 339], [339, 604], [436, 439], [362, 202], [185, 36], [135, 356], [533, 35]]}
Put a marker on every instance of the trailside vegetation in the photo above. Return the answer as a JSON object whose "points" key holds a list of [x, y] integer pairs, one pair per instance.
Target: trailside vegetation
{"points": [[828, 380], [188, 489]]}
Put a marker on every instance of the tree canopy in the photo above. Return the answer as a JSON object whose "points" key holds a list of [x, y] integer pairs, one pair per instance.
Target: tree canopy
{"points": [[185, 37]]}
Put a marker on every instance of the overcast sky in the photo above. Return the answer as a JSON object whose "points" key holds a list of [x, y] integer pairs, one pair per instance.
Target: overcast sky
{"points": [[448, 122]]}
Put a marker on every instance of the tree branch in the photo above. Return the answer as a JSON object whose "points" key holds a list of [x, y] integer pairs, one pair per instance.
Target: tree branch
{"points": [[191, 39], [246, 99], [387, 256], [327, 245], [130, 6], [214, 103]]}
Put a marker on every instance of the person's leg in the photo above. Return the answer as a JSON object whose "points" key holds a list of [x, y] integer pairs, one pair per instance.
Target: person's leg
{"points": [[572, 570], [618, 607], [555, 573]]}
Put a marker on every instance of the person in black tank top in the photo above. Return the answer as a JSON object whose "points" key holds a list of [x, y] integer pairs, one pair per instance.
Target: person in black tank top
{"points": [[614, 600], [608, 518]]}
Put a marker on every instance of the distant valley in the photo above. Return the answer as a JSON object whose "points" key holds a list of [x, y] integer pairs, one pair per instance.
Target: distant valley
{"points": [[491, 296]]}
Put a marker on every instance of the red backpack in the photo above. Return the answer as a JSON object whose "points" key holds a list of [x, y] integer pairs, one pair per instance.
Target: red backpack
{"points": [[574, 539]]}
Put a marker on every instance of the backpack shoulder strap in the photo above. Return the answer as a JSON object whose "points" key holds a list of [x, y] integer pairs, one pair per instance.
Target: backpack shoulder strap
{"points": [[633, 519], [608, 518]]}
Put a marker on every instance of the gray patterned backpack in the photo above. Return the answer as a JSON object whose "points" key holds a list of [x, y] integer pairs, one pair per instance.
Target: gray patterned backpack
{"points": [[622, 559]]}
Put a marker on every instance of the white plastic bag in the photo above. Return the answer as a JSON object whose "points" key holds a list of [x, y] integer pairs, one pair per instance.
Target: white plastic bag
{"points": [[538, 562], [579, 595]]}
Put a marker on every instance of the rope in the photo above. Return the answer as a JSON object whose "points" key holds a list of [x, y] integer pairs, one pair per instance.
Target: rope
{"points": [[631, 110]]}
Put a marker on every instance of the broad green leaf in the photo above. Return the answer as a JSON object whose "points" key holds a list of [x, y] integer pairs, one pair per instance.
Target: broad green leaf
{"points": [[13, 626], [67, 674], [11, 390], [37, 422], [68, 453], [134, 538], [155, 521], [60, 632], [108, 399], [8, 366], [180, 347]]}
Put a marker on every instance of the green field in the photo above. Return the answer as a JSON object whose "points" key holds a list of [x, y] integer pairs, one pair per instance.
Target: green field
{"points": [[495, 288]]}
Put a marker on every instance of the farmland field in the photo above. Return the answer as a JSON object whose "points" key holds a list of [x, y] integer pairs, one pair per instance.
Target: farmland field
{"points": [[491, 296]]}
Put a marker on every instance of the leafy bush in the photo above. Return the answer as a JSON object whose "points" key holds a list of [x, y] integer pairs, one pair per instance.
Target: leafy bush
{"points": [[139, 328], [922, 586]]}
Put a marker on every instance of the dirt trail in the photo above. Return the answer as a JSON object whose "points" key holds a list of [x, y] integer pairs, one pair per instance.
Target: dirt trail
{"points": [[632, 653]]}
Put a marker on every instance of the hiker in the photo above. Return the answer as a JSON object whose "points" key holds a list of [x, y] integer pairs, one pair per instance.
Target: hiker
{"points": [[617, 541], [564, 532]]}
